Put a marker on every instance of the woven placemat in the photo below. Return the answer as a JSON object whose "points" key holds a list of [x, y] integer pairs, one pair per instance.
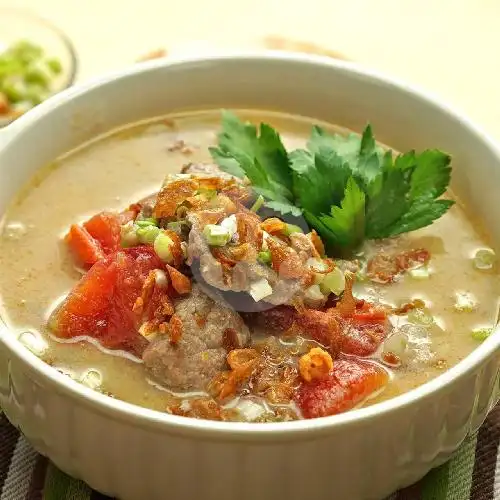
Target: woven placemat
{"points": [[473, 473]]}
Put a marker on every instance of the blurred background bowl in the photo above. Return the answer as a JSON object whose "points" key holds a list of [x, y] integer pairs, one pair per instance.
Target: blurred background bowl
{"points": [[19, 25]]}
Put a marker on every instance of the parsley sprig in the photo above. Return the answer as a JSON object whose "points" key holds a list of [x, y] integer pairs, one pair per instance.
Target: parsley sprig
{"points": [[348, 188]]}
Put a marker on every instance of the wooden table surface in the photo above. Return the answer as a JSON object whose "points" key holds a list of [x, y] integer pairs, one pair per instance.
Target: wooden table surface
{"points": [[450, 47]]}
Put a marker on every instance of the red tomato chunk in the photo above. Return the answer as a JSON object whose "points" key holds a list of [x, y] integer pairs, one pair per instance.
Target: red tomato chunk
{"points": [[349, 383], [101, 304]]}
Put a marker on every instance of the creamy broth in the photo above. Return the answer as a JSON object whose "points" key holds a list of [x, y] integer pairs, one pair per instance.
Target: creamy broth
{"points": [[116, 170]]}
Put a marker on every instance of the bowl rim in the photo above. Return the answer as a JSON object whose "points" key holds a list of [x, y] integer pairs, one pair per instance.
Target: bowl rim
{"points": [[65, 39], [152, 419]]}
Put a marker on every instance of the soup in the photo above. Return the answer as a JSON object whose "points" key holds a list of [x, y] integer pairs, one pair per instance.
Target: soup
{"points": [[214, 299]]}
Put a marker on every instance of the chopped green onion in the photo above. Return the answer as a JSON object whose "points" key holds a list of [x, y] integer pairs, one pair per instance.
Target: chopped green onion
{"points": [[26, 76], [291, 228], [147, 234], [465, 302], [421, 273], [264, 257], [421, 317], [146, 222], [54, 65], [481, 334], [484, 259], [162, 246], [129, 236], [216, 236], [258, 204], [333, 282], [260, 289], [13, 90], [37, 76], [176, 226]]}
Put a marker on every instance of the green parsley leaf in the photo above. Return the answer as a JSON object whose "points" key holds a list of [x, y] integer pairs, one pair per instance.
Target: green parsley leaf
{"points": [[284, 208], [324, 169], [347, 188], [344, 229], [362, 155], [421, 214], [424, 177], [388, 198], [261, 157]]}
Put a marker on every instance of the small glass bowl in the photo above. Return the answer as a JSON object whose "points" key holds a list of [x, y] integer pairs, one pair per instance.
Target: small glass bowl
{"points": [[16, 25]]}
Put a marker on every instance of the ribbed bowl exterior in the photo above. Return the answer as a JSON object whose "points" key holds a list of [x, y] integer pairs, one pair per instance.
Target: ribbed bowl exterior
{"points": [[133, 463]]}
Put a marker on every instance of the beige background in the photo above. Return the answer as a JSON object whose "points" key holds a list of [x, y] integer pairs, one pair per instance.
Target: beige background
{"points": [[448, 46]]}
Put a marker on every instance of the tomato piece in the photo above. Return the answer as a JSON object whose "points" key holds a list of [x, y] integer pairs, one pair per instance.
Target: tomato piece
{"points": [[87, 249], [363, 338], [101, 303], [105, 228], [324, 327], [349, 383]]}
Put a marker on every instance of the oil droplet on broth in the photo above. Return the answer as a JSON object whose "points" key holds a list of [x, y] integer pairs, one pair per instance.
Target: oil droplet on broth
{"points": [[92, 379]]}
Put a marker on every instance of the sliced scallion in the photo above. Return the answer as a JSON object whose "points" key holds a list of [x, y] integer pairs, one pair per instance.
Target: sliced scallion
{"points": [[292, 228], [484, 259], [148, 221], [333, 282], [481, 334], [216, 236], [162, 246], [264, 257], [258, 204], [147, 234]]}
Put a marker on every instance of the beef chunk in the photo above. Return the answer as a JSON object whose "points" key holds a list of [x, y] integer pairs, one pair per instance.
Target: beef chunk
{"points": [[190, 364]]}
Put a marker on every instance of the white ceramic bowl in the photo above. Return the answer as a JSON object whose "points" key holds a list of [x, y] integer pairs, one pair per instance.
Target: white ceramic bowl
{"points": [[136, 454]]}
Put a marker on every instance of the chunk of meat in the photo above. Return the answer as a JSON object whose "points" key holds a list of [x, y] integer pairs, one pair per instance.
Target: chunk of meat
{"points": [[278, 319], [101, 304], [187, 365], [200, 353], [349, 383]]}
